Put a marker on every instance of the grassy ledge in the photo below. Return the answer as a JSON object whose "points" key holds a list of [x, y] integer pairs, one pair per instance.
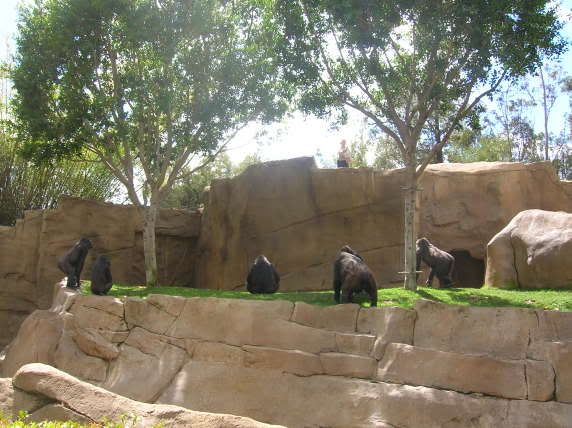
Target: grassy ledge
{"points": [[559, 300]]}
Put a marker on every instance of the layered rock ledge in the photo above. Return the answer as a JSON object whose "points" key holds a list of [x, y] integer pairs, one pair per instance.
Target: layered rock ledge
{"points": [[300, 365]]}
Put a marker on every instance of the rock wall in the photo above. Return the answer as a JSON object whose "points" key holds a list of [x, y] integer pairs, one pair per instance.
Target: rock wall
{"points": [[300, 365], [294, 213], [48, 394], [29, 251], [299, 216]]}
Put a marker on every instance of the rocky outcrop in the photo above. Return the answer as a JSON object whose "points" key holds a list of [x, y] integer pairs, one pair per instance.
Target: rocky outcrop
{"points": [[301, 365], [462, 206], [272, 208], [532, 251], [50, 394], [29, 251]]}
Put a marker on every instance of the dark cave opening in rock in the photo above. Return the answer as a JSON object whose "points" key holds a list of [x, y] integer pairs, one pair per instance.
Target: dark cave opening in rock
{"points": [[469, 272]]}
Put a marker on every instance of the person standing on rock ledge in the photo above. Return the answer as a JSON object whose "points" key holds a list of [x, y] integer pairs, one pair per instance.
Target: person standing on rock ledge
{"points": [[344, 157]]}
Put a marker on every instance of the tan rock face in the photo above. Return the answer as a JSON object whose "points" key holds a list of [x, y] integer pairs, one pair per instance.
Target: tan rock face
{"points": [[257, 359], [145, 366], [462, 207], [412, 365], [461, 329], [29, 252], [338, 318], [6, 396], [82, 402], [36, 342], [533, 251]]}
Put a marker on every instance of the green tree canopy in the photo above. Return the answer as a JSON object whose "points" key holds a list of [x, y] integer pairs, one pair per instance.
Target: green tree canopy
{"points": [[149, 86]]}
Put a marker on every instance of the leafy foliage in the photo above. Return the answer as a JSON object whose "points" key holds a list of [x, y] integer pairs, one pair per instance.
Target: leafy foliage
{"points": [[149, 86], [24, 186], [148, 83], [188, 192], [20, 422]]}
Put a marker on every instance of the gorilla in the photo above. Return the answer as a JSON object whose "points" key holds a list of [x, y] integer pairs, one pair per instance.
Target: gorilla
{"points": [[351, 275], [440, 262], [262, 277], [101, 281], [72, 263]]}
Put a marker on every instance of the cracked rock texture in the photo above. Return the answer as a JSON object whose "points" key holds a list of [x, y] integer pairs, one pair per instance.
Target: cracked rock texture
{"points": [[286, 363], [532, 251], [29, 251], [271, 208], [50, 394]]}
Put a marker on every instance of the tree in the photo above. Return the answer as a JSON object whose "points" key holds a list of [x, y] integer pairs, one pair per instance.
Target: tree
{"points": [[150, 87], [468, 146], [24, 186], [188, 192], [399, 63]]}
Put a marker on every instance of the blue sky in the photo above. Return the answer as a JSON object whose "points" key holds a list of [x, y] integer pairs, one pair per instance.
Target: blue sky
{"points": [[296, 136]]}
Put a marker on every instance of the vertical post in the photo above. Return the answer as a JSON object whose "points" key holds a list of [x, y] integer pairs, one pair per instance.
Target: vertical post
{"points": [[149, 244], [410, 271]]}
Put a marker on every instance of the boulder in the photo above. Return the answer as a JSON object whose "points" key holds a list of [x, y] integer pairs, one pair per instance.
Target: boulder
{"points": [[156, 313], [338, 317], [539, 380], [474, 330], [360, 344], [560, 356], [411, 365], [145, 366], [36, 341], [216, 352], [91, 342], [532, 251], [288, 361], [336, 401], [337, 364], [73, 397]]}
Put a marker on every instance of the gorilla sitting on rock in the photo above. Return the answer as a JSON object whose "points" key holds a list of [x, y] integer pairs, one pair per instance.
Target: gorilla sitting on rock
{"points": [[351, 275], [101, 280], [440, 262], [262, 277], [72, 263]]}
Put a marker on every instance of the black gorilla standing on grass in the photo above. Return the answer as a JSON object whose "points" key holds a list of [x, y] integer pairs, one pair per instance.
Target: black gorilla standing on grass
{"points": [[351, 275], [440, 262], [101, 281], [72, 263], [262, 277]]}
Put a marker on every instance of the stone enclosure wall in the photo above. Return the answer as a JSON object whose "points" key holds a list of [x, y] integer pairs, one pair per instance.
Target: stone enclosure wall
{"points": [[300, 365], [29, 251], [299, 216], [293, 212]]}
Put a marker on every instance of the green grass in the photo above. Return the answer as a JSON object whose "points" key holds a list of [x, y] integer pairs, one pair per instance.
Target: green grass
{"points": [[540, 299], [21, 422]]}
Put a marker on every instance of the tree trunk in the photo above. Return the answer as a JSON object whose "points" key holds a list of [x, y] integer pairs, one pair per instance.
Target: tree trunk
{"points": [[410, 271], [545, 106], [149, 247]]}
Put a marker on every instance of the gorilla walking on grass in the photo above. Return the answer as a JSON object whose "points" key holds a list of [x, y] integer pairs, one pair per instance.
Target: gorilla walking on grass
{"points": [[351, 275], [262, 277], [440, 262], [101, 281], [72, 263]]}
